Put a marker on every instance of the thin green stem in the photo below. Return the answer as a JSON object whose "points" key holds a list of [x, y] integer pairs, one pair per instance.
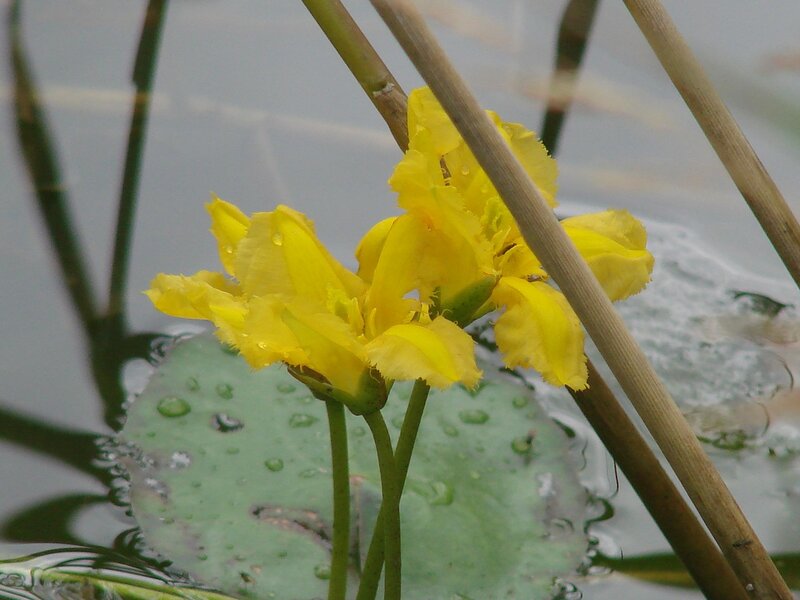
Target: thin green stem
{"points": [[360, 57], [373, 564], [390, 509], [337, 585], [143, 75]]}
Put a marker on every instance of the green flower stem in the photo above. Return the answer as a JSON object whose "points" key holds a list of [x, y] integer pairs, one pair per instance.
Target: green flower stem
{"points": [[371, 572], [365, 64], [390, 508], [337, 585]]}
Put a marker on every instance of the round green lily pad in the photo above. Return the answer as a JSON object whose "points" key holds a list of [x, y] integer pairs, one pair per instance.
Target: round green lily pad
{"points": [[230, 473]]}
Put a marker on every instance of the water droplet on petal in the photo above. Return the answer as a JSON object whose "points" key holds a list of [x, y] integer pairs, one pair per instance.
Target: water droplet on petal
{"points": [[228, 249], [173, 406], [465, 170], [274, 464], [277, 238], [225, 423], [298, 420], [286, 388], [473, 416], [224, 391], [192, 384], [322, 571]]}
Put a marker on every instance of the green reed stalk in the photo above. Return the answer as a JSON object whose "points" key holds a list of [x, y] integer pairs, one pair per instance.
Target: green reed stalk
{"points": [[365, 64]]}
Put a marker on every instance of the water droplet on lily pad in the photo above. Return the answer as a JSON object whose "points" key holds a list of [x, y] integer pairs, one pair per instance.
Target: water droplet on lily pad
{"points": [[473, 416], [274, 464], [285, 387], [521, 445], [442, 494], [179, 460], [450, 430], [225, 423], [309, 473], [359, 431], [192, 384], [173, 406], [322, 571], [224, 391], [298, 420], [520, 402]]}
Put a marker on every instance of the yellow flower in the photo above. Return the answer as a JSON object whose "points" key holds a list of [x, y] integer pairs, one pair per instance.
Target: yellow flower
{"points": [[458, 247], [286, 298]]}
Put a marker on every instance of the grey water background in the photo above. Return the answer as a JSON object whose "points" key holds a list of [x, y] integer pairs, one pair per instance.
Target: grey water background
{"points": [[250, 102]]}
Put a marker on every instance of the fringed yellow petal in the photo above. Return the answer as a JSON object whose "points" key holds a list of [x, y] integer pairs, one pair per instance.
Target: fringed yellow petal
{"points": [[204, 295], [419, 172], [613, 244], [329, 344], [229, 225], [426, 114], [396, 273], [619, 225], [282, 255], [191, 297], [370, 247], [519, 261], [538, 163], [265, 337], [441, 353], [471, 180], [540, 330]]}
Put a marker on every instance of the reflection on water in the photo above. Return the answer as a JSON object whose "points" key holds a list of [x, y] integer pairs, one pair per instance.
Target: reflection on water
{"points": [[61, 362]]}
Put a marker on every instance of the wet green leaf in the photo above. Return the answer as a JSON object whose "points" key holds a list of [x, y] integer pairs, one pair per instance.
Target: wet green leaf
{"points": [[237, 490]]}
